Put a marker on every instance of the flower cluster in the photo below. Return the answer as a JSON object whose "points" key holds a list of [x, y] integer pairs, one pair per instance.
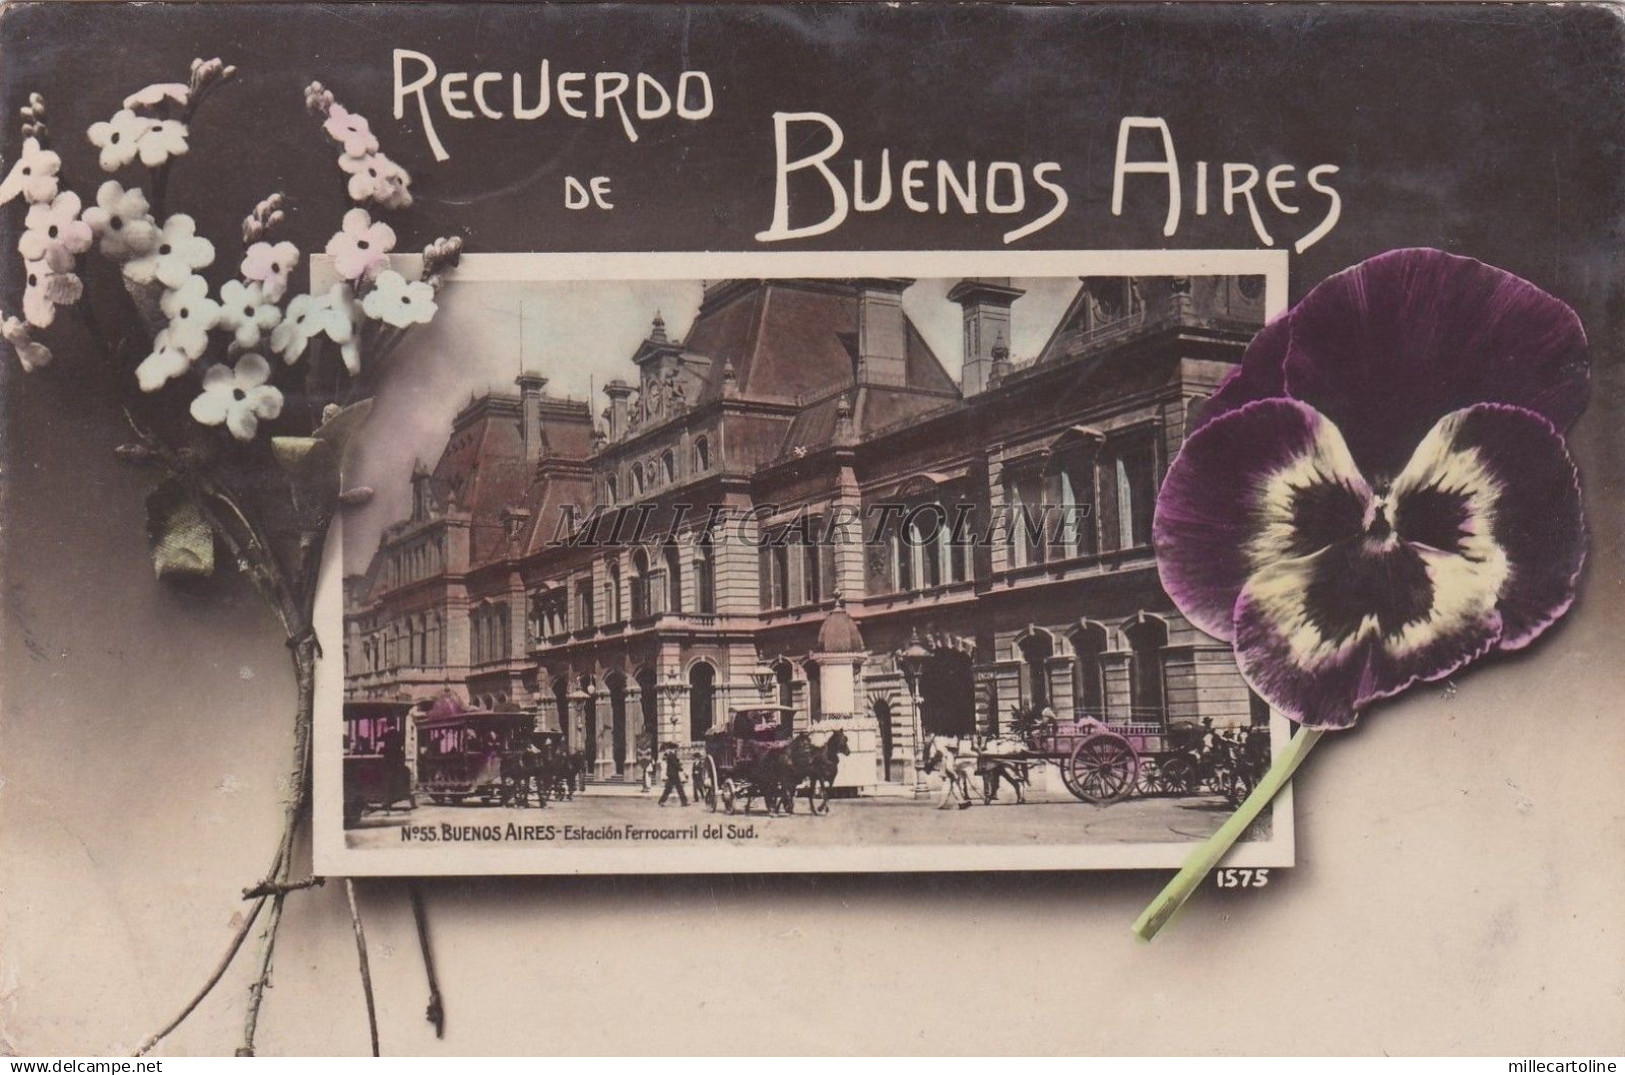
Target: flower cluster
{"points": [[1381, 493], [219, 335], [373, 176]]}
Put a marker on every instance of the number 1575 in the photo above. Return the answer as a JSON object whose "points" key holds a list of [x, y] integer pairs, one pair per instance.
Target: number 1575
{"points": [[1241, 877]]}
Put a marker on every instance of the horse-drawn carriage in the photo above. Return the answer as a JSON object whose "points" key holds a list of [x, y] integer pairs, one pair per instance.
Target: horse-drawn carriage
{"points": [[1102, 763], [1199, 757], [759, 753], [461, 751], [375, 772], [1098, 764]]}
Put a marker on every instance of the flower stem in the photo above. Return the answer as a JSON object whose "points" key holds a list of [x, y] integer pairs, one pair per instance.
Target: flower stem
{"points": [[1205, 857]]}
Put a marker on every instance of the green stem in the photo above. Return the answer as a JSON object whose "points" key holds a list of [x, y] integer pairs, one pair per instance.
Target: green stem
{"points": [[1205, 857]]}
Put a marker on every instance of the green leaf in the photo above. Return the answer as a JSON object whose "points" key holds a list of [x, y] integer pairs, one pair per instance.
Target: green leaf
{"points": [[312, 468], [180, 538], [342, 427]]}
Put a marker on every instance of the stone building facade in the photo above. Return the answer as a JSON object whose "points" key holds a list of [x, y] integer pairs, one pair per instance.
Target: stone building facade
{"points": [[803, 450]]}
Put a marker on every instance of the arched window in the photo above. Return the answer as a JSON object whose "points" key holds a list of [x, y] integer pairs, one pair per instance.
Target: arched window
{"points": [[705, 576], [612, 598], [1036, 650], [784, 678], [637, 479], [609, 488], [668, 466], [640, 585], [702, 680], [702, 455], [674, 577], [1088, 681], [1147, 639]]}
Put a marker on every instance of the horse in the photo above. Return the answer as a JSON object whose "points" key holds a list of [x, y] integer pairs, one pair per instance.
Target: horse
{"points": [[559, 772], [519, 769], [997, 761], [822, 766], [958, 762], [774, 776]]}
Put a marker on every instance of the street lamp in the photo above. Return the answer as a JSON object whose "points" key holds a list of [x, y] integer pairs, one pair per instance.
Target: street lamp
{"points": [[912, 662], [763, 677]]}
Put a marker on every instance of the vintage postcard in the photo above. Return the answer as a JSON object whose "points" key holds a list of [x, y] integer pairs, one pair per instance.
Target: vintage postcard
{"points": [[788, 562]]}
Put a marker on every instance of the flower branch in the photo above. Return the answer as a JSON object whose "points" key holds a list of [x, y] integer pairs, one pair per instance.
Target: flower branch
{"points": [[205, 368]]}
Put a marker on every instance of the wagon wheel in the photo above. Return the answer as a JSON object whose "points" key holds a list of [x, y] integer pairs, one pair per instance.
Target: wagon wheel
{"points": [[706, 783], [1151, 778], [1103, 768], [1178, 775]]}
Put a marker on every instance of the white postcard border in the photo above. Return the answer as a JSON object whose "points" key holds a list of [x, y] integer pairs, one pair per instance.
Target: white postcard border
{"points": [[333, 857]]}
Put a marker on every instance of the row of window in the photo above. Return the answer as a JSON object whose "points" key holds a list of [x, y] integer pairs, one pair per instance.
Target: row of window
{"points": [[641, 478], [488, 637], [1083, 504], [420, 561], [415, 641], [655, 585]]}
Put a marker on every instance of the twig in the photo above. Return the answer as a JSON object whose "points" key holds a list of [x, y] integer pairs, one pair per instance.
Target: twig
{"points": [[273, 888], [436, 1013], [361, 955], [304, 659], [214, 978]]}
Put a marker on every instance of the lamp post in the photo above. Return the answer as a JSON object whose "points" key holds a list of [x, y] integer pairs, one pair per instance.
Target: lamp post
{"points": [[912, 663], [763, 677]]}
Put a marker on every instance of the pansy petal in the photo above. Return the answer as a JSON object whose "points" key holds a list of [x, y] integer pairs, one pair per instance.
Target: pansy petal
{"points": [[1388, 347], [1269, 481], [1323, 636], [1260, 375], [1496, 484]]}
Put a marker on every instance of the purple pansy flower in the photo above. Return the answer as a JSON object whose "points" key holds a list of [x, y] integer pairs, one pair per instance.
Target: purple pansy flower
{"points": [[1381, 492]]}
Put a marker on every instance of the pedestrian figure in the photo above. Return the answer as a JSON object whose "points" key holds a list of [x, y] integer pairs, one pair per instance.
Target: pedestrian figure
{"points": [[674, 775], [646, 769]]}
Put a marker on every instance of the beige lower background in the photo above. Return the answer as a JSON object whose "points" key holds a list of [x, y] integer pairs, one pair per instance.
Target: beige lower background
{"points": [[1459, 887]]}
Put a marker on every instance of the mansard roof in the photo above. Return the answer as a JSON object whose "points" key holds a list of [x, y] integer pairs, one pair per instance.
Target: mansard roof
{"points": [[482, 470], [791, 339]]}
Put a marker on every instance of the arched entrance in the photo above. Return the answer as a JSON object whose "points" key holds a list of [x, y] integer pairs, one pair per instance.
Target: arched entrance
{"points": [[948, 694], [883, 718], [649, 702], [616, 682], [702, 680]]}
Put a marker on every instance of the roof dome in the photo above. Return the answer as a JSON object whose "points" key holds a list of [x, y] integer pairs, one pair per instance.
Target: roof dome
{"points": [[840, 633]]}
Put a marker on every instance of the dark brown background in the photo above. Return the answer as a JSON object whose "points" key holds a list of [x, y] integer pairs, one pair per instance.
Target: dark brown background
{"points": [[1460, 877]]}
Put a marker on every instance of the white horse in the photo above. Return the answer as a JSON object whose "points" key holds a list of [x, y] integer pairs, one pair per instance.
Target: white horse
{"points": [[956, 756], [991, 758]]}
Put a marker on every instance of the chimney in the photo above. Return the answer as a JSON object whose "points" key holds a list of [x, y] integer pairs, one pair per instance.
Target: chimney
{"points": [[985, 302], [530, 413], [882, 335], [618, 392]]}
